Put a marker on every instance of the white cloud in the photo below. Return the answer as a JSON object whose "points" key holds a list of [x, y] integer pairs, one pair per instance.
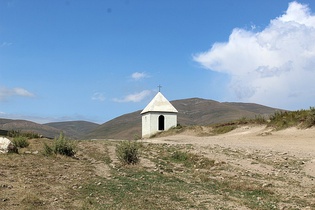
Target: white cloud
{"points": [[5, 93], [136, 97], [98, 96], [275, 66], [5, 44], [139, 75]]}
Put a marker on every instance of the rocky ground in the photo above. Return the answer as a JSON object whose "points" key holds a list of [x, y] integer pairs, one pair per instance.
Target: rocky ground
{"points": [[251, 167], [281, 161]]}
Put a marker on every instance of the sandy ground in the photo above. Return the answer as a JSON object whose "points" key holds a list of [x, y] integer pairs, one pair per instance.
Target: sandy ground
{"points": [[256, 139], [249, 157]]}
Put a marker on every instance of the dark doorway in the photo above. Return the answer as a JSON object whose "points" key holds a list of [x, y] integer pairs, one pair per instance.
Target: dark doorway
{"points": [[161, 123]]}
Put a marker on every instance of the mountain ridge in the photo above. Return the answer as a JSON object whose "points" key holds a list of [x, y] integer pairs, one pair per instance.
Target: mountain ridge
{"points": [[191, 111]]}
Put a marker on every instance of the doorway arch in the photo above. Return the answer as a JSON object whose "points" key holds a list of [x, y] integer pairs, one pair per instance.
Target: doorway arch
{"points": [[161, 125]]}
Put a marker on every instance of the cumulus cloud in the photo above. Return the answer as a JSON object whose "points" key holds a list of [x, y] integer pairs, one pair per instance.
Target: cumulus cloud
{"points": [[139, 75], [275, 66], [98, 96], [136, 97], [5, 93]]}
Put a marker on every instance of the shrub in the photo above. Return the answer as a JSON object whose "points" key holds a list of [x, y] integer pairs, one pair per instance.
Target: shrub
{"points": [[48, 150], [221, 129], [259, 119], [310, 118], [285, 119], [180, 156], [14, 133], [128, 152], [63, 146], [190, 159], [60, 146], [18, 133], [20, 141]]}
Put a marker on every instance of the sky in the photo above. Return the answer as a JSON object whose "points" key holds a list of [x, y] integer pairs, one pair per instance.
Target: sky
{"points": [[94, 60]]}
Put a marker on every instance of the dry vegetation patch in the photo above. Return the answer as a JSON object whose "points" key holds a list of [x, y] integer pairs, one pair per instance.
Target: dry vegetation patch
{"points": [[168, 176]]}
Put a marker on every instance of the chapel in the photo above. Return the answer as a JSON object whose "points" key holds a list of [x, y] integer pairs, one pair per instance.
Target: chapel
{"points": [[157, 116]]}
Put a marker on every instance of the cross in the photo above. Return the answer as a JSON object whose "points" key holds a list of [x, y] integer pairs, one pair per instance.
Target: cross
{"points": [[159, 88]]}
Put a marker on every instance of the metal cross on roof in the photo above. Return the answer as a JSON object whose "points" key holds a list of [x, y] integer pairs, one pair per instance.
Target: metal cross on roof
{"points": [[159, 88]]}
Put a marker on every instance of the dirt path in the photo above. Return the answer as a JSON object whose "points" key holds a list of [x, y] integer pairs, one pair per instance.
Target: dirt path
{"points": [[292, 140], [257, 139]]}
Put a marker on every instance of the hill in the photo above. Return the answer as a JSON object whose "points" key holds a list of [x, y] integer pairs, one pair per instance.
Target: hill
{"points": [[193, 111], [27, 126], [74, 129]]}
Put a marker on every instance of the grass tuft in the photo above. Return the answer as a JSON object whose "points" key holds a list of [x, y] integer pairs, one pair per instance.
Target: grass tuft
{"points": [[61, 146], [20, 141], [128, 152]]}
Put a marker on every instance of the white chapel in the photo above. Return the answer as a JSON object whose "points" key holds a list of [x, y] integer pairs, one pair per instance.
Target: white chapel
{"points": [[158, 115]]}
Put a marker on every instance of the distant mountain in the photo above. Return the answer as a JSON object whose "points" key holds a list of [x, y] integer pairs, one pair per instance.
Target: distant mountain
{"points": [[74, 129], [27, 126], [193, 111], [127, 126]]}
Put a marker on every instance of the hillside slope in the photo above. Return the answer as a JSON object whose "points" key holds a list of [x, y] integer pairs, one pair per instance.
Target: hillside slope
{"points": [[28, 126], [74, 129], [127, 126], [193, 111]]}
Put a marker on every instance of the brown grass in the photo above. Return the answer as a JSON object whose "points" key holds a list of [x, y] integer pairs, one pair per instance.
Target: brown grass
{"points": [[167, 177]]}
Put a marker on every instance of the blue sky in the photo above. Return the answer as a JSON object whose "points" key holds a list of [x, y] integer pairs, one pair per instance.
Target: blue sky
{"points": [[96, 60]]}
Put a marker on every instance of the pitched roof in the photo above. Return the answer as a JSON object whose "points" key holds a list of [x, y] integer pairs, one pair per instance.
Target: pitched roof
{"points": [[159, 104]]}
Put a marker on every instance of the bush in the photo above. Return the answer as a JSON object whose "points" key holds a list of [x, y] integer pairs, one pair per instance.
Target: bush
{"points": [[191, 160], [180, 156], [18, 133], [60, 146], [128, 152], [285, 119], [20, 141], [310, 118], [48, 150], [221, 129], [259, 119]]}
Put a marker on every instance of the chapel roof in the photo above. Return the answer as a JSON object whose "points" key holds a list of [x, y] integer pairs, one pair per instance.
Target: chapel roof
{"points": [[159, 104]]}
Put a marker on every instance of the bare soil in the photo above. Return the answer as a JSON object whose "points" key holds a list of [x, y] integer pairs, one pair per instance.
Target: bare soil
{"points": [[287, 155], [250, 158]]}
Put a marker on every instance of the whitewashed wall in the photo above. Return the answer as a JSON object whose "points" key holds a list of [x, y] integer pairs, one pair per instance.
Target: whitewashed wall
{"points": [[150, 122]]}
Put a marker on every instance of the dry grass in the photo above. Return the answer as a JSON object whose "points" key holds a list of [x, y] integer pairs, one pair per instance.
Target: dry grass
{"points": [[167, 177]]}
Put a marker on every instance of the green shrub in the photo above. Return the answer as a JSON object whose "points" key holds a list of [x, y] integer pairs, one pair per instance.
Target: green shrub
{"points": [[191, 160], [223, 129], [259, 119], [128, 152], [285, 119], [14, 133], [20, 141], [60, 146], [310, 118], [18, 133], [48, 150], [63, 146], [180, 156]]}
